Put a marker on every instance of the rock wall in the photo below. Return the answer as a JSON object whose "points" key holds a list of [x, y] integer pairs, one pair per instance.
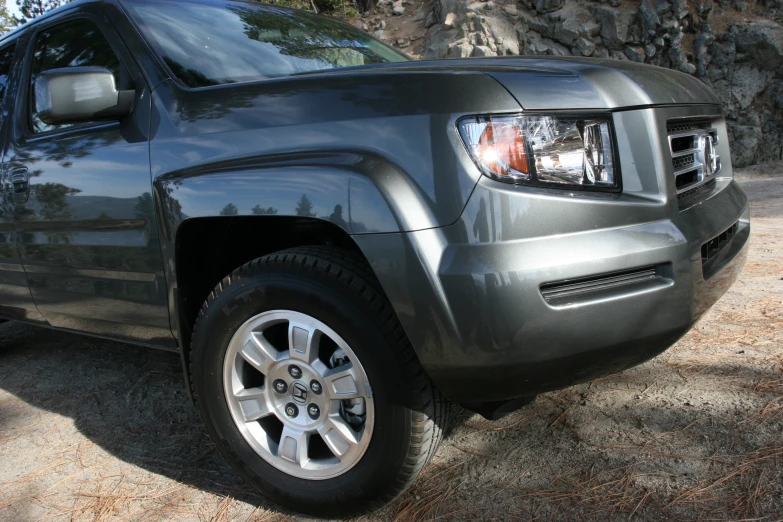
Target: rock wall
{"points": [[734, 47]]}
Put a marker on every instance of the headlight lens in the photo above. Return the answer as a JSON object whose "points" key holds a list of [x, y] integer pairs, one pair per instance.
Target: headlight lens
{"points": [[566, 152]]}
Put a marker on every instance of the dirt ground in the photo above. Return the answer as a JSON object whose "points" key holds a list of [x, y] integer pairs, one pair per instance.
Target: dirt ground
{"points": [[99, 430]]}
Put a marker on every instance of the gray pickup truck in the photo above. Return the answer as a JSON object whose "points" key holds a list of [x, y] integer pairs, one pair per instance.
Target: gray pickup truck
{"points": [[341, 242]]}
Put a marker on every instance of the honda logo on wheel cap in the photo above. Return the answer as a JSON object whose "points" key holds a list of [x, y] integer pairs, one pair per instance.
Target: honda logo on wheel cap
{"points": [[299, 391]]}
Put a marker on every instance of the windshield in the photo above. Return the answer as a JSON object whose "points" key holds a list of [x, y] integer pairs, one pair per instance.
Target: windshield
{"points": [[212, 42]]}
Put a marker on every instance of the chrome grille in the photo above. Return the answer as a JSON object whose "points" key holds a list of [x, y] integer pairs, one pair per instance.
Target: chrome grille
{"points": [[694, 160], [683, 161]]}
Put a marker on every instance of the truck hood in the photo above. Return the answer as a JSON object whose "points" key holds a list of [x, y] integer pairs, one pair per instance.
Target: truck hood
{"points": [[573, 83]]}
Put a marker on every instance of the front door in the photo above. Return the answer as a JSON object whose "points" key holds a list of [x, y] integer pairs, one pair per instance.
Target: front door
{"points": [[15, 299], [87, 233]]}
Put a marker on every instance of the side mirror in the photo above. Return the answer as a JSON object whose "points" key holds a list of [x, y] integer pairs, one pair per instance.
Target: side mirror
{"points": [[80, 94]]}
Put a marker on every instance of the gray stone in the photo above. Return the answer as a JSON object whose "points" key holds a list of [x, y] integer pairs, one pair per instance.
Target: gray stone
{"points": [[747, 83], [585, 46], [745, 144], [547, 6], [431, 20], [680, 8], [669, 26], [503, 34], [635, 54], [615, 24], [589, 28], [477, 7], [648, 17], [763, 41], [558, 49], [567, 32], [677, 56], [482, 50], [649, 50], [662, 6], [511, 10], [541, 25], [398, 10], [618, 55], [687, 68], [460, 50]]}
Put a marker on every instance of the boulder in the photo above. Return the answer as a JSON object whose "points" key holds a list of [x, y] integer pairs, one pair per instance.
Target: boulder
{"points": [[745, 141], [763, 41], [483, 50], [547, 6], [648, 18], [585, 46], [615, 23], [635, 54], [460, 49], [567, 31], [503, 33], [747, 83]]}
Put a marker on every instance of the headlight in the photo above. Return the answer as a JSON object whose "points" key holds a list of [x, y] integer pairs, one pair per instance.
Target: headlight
{"points": [[565, 152]]}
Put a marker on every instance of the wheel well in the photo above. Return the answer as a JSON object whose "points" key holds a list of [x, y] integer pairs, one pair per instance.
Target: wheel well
{"points": [[208, 249]]}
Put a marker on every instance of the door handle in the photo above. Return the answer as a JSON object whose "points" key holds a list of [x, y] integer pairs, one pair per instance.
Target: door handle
{"points": [[20, 183]]}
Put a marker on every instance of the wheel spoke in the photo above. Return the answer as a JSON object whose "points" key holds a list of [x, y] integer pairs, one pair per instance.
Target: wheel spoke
{"points": [[303, 342], [341, 383], [338, 435], [252, 401], [293, 446], [259, 353]]}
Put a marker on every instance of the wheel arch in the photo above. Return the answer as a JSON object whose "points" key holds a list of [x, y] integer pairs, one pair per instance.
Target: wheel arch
{"points": [[208, 249]]}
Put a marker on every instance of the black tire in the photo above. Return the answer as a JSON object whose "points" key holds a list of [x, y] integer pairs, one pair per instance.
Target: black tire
{"points": [[338, 288]]}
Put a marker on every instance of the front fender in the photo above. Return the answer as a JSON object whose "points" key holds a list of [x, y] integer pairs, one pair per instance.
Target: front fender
{"points": [[360, 193]]}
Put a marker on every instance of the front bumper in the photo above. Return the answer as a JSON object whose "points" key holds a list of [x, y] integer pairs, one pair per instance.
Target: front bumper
{"points": [[484, 331], [515, 343]]}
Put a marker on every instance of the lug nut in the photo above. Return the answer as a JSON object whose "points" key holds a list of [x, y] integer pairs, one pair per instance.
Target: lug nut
{"points": [[313, 411], [280, 386], [291, 410], [316, 387], [295, 371]]}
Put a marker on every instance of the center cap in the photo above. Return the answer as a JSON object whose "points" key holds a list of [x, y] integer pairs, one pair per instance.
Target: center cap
{"points": [[299, 391]]}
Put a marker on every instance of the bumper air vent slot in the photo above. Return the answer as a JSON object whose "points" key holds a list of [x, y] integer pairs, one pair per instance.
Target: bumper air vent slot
{"points": [[607, 286], [712, 248]]}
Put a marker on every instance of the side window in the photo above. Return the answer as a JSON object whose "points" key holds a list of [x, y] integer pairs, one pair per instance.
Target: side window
{"points": [[6, 60], [70, 44]]}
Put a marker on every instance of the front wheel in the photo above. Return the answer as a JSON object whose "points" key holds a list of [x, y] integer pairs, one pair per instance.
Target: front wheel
{"points": [[309, 387]]}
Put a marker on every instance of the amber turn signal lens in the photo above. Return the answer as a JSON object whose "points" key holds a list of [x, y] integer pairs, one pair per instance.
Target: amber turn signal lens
{"points": [[501, 147]]}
